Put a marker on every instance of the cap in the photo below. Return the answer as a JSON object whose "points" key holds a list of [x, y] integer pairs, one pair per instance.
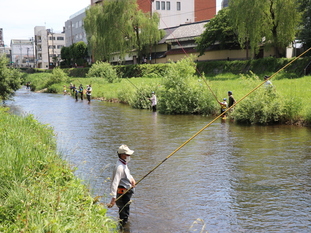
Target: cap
{"points": [[123, 149], [230, 92], [266, 76], [152, 92], [225, 99]]}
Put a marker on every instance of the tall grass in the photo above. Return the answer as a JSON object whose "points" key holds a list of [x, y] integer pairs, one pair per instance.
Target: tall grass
{"points": [[38, 191]]}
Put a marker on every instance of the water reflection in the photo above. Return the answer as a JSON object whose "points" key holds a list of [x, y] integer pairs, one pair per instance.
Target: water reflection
{"points": [[233, 178]]}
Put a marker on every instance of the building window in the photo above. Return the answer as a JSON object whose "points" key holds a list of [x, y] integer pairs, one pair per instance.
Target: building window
{"points": [[59, 46], [178, 6], [162, 5], [157, 5], [60, 38], [168, 6], [51, 38]]}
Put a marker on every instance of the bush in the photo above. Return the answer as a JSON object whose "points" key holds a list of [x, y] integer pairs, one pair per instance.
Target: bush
{"points": [[103, 70], [264, 106], [181, 93], [58, 76]]}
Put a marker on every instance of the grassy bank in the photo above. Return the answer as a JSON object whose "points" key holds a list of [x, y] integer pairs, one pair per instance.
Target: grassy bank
{"points": [[181, 91], [38, 191]]}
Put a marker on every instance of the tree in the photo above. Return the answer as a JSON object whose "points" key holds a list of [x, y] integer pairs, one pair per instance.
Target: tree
{"points": [[305, 34], [9, 79], [65, 55], [79, 53], [218, 31], [75, 53], [267, 23], [118, 26]]}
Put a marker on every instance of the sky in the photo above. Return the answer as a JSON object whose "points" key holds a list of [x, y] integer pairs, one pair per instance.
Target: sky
{"points": [[19, 17]]}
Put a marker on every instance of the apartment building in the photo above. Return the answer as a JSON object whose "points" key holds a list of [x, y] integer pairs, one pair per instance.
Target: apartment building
{"points": [[176, 12], [48, 46], [74, 30], [22, 53]]}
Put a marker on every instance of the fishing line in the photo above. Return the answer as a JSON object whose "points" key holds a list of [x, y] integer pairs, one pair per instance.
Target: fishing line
{"points": [[220, 115]]}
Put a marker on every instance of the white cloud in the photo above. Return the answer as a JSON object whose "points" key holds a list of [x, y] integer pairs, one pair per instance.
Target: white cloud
{"points": [[19, 17]]}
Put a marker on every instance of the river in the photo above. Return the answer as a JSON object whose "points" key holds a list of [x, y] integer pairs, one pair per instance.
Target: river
{"points": [[230, 178]]}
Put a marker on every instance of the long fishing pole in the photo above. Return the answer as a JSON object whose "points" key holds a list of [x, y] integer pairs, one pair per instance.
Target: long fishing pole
{"points": [[220, 115]]}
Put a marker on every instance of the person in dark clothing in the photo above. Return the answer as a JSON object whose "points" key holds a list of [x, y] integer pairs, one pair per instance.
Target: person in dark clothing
{"points": [[231, 99], [81, 91], [76, 93], [122, 184]]}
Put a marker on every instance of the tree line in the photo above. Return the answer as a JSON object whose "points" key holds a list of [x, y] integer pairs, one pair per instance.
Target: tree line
{"points": [[117, 28]]}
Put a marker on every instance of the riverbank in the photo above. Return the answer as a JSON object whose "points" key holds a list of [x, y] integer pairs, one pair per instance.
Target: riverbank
{"points": [[180, 91], [39, 192]]}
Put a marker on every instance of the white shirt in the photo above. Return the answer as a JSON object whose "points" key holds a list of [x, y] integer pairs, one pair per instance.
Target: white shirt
{"points": [[153, 100], [121, 177]]}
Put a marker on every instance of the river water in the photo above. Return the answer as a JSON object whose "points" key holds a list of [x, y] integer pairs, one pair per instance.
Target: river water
{"points": [[229, 178]]}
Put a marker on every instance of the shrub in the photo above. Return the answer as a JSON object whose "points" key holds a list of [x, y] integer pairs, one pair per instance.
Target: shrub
{"points": [[264, 106], [181, 93], [57, 76], [103, 70]]}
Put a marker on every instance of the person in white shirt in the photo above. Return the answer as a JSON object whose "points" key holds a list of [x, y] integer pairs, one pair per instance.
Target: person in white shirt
{"points": [[89, 93], [153, 101], [268, 83], [122, 184]]}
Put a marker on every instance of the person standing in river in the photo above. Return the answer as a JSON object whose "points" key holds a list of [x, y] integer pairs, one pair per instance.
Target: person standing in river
{"points": [[153, 100], [122, 184], [89, 93], [223, 106], [231, 99], [81, 91]]}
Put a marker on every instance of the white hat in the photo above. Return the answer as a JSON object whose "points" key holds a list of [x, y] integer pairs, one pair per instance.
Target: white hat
{"points": [[123, 149]]}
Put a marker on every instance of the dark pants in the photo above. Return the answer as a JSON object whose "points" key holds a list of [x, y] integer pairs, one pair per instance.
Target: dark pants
{"points": [[154, 108], [81, 95], [88, 97], [124, 205]]}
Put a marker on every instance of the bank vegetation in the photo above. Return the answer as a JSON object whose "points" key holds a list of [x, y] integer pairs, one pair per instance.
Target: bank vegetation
{"points": [[184, 88]]}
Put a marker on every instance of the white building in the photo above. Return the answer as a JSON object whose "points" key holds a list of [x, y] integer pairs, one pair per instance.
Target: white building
{"points": [[173, 13], [22, 53], [48, 46]]}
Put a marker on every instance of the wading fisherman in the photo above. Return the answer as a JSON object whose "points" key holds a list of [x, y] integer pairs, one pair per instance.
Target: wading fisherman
{"points": [[81, 91], [89, 93], [231, 99], [223, 106], [121, 181], [153, 100]]}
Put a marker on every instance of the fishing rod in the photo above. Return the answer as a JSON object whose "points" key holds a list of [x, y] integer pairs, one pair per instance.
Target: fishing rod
{"points": [[216, 118]]}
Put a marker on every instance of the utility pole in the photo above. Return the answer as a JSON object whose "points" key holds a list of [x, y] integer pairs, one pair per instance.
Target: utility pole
{"points": [[27, 57]]}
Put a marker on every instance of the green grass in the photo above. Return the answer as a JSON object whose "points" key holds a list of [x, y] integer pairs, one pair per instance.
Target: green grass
{"points": [[38, 190], [296, 91]]}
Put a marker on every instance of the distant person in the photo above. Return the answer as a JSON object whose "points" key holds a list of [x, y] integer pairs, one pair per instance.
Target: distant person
{"points": [[231, 99], [268, 83], [81, 91], [73, 89], [76, 94], [64, 90], [89, 93], [121, 181], [223, 106], [153, 100]]}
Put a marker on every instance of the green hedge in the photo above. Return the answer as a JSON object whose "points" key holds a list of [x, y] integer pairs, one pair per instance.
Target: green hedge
{"points": [[258, 66]]}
